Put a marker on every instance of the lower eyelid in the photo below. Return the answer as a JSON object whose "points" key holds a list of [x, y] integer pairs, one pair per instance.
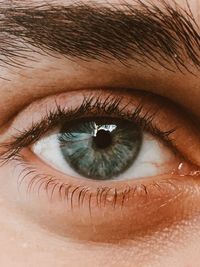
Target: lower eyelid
{"points": [[77, 206]]}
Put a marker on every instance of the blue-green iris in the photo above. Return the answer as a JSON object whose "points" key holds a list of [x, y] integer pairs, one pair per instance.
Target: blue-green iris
{"points": [[100, 149]]}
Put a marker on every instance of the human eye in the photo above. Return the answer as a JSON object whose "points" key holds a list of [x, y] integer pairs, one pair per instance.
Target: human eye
{"points": [[102, 164], [112, 141]]}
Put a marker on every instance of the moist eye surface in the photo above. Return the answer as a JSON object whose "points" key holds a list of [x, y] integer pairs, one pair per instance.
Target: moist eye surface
{"points": [[100, 149]]}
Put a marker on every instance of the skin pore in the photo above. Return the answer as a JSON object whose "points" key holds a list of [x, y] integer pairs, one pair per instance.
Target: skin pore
{"points": [[39, 232]]}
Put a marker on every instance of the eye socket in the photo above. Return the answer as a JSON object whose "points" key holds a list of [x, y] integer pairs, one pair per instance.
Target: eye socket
{"points": [[164, 154], [105, 149]]}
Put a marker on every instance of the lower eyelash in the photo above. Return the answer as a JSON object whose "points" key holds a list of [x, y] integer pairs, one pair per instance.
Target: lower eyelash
{"points": [[74, 195], [83, 196]]}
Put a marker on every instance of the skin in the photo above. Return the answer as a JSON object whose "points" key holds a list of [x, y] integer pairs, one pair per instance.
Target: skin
{"points": [[33, 242]]}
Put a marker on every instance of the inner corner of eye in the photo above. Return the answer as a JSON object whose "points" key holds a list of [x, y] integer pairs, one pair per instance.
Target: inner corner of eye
{"points": [[104, 150]]}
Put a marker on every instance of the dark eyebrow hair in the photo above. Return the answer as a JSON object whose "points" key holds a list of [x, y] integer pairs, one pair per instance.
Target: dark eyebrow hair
{"points": [[145, 33]]}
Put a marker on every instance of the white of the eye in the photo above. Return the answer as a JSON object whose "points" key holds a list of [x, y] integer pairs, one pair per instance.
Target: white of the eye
{"points": [[48, 149], [151, 159]]}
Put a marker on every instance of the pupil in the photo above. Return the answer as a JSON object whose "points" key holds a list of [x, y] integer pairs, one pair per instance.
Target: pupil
{"points": [[103, 139]]}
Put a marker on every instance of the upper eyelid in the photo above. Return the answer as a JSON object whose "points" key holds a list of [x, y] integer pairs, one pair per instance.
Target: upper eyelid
{"points": [[23, 138], [94, 106]]}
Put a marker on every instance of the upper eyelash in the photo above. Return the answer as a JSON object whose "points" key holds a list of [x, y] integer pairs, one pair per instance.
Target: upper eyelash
{"points": [[91, 106]]}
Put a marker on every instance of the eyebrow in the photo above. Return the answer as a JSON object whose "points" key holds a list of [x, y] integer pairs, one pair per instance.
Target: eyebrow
{"points": [[145, 33]]}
